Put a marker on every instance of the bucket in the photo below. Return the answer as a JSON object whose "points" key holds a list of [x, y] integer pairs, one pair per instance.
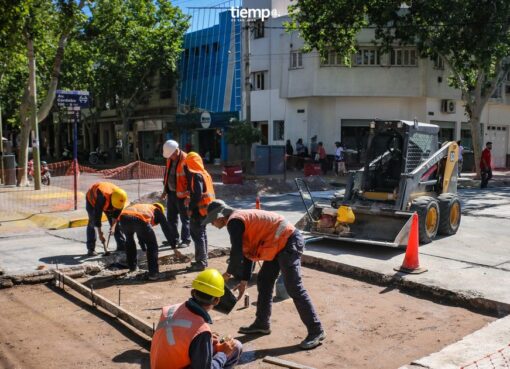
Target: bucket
{"points": [[227, 302], [281, 291], [232, 174]]}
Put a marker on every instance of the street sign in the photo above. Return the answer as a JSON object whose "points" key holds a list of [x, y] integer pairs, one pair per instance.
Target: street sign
{"points": [[73, 99]]}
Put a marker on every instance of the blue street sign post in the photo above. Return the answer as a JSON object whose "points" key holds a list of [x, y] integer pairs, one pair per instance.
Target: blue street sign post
{"points": [[73, 101]]}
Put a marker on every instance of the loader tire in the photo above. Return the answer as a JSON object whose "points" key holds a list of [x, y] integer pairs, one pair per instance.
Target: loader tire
{"points": [[450, 213], [428, 212]]}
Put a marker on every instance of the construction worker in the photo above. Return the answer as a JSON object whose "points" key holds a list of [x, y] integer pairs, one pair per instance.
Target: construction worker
{"points": [[175, 192], [258, 235], [110, 199], [200, 188], [183, 338], [140, 219]]}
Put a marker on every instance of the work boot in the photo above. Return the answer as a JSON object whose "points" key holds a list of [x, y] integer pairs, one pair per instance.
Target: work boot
{"points": [[255, 328], [91, 253], [153, 276], [183, 244], [312, 340], [195, 267]]}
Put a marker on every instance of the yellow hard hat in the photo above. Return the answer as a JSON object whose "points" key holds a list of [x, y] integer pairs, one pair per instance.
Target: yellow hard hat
{"points": [[210, 282], [119, 198], [159, 206]]}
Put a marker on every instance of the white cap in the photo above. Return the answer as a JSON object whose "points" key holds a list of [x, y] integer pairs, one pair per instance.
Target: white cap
{"points": [[169, 147]]}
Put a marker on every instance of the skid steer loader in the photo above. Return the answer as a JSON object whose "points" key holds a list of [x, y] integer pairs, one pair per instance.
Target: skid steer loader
{"points": [[404, 172]]}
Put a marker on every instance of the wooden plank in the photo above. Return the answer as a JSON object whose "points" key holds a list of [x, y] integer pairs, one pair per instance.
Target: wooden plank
{"points": [[63, 280], [285, 363]]}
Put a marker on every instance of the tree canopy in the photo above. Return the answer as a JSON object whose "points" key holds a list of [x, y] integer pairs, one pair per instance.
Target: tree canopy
{"points": [[471, 36]]}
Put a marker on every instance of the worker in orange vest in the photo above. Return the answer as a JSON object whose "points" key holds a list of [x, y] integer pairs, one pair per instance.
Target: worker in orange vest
{"points": [[175, 192], [183, 338], [140, 219], [110, 199], [201, 190], [259, 235]]}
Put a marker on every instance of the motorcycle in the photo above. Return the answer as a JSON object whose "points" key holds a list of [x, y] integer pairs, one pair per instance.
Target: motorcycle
{"points": [[67, 154], [98, 155], [45, 172]]}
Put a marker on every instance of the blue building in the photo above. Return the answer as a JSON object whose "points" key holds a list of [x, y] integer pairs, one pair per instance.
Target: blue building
{"points": [[210, 81]]}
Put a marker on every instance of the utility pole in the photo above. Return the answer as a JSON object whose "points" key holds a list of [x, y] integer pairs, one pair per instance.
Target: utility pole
{"points": [[247, 79], [33, 117]]}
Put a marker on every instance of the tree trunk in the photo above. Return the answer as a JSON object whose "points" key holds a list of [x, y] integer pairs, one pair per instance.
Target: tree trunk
{"points": [[474, 123]]}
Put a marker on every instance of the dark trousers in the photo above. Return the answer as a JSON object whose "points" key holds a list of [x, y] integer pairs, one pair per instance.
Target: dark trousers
{"points": [[175, 209], [199, 236], [486, 175], [91, 232], [132, 225], [288, 261]]}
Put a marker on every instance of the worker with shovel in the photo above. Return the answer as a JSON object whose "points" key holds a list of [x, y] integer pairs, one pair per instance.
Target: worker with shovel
{"points": [[140, 219], [183, 337], [258, 235], [200, 188], [110, 199]]}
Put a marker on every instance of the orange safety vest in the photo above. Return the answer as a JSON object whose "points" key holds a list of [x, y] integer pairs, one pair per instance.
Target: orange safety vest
{"points": [[106, 188], [177, 328], [144, 212], [181, 185], [265, 233], [195, 165]]}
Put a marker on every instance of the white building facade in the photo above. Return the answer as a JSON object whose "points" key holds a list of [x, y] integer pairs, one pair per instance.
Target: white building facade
{"points": [[295, 95]]}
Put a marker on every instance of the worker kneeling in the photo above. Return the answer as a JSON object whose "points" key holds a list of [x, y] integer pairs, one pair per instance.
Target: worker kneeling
{"points": [[258, 235], [183, 338], [140, 219]]}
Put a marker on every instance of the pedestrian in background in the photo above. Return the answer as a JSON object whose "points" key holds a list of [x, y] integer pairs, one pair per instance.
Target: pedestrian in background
{"points": [[107, 198], [314, 148], [340, 159], [485, 165], [301, 154], [461, 157], [183, 338], [323, 159], [289, 151], [140, 219], [201, 190], [175, 192], [259, 235]]}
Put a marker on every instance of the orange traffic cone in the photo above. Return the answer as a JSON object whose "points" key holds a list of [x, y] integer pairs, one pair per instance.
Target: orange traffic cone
{"points": [[257, 202], [411, 263]]}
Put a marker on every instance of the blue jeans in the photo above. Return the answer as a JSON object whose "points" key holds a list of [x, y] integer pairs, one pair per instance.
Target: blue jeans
{"points": [[234, 357], [199, 236], [288, 261], [91, 232], [175, 209]]}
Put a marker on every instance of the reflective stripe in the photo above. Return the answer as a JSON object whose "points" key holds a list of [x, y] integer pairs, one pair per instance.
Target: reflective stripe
{"points": [[170, 322], [281, 227], [182, 193], [180, 174]]}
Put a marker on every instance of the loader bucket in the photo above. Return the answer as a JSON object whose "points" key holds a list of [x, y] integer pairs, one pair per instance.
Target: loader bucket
{"points": [[382, 228]]}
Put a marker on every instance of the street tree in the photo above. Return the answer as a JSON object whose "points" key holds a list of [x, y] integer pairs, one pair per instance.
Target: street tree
{"points": [[471, 36], [40, 30], [134, 41]]}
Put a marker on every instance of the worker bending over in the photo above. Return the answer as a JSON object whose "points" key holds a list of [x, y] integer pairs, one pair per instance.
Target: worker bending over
{"points": [[258, 235], [175, 192], [110, 199], [200, 188], [183, 338], [140, 219]]}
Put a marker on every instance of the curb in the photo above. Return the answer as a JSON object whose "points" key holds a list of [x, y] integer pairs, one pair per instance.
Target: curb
{"points": [[397, 280], [8, 281], [50, 221]]}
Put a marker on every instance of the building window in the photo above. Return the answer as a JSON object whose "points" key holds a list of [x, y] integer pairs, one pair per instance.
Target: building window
{"points": [[438, 62], [278, 130], [296, 59], [332, 59], [403, 57], [258, 80], [366, 56], [166, 84], [258, 28]]}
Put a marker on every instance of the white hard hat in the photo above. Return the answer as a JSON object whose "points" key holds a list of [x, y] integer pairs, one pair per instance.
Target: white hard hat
{"points": [[169, 147]]}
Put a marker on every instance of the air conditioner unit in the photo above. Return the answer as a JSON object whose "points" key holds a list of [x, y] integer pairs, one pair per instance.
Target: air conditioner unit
{"points": [[448, 106]]}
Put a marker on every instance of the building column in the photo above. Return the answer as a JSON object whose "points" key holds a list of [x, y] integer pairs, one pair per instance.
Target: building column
{"points": [[458, 127]]}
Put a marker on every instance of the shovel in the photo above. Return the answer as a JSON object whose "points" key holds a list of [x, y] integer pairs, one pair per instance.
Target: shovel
{"points": [[105, 245]]}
